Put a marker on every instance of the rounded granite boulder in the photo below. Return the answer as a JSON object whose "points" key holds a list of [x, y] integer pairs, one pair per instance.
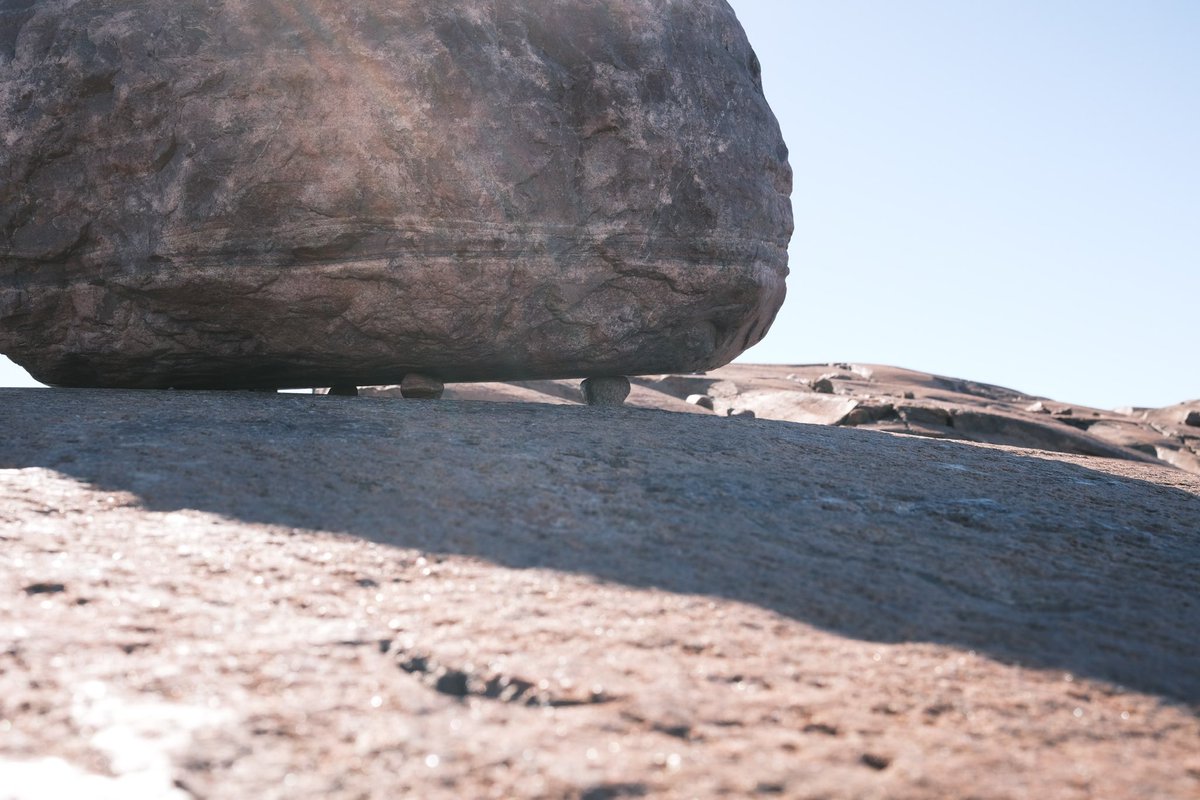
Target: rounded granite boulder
{"points": [[246, 193]]}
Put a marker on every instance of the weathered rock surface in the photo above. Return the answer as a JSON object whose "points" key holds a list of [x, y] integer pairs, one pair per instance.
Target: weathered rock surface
{"points": [[247, 595], [421, 387], [610, 391], [255, 194], [877, 397]]}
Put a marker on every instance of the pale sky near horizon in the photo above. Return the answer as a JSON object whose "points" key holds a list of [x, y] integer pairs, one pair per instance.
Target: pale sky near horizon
{"points": [[1002, 191]]}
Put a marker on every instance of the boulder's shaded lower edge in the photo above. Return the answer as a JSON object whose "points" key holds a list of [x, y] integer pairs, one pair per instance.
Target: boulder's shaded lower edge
{"points": [[372, 321], [220, 194]]}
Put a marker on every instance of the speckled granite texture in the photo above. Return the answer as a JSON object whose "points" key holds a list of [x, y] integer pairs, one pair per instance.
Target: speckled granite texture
{"points": [[237, 595]]}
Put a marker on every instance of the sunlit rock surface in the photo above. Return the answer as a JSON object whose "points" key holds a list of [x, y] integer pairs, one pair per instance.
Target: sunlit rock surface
{"points": [[893, 400], [243, 595], [262, 194]]}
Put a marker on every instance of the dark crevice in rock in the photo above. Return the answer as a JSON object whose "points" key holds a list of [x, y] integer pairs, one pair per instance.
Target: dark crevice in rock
{"points": [[672, 726], [45, 588], [680, 731], [384, 645], [182, 786], [612, 791], [464, 683], [770, 787], [876, 761]]}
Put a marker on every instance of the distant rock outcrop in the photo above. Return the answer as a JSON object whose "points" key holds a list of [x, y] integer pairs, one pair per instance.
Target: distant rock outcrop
{"points": [[257, 194], [898, 401]]}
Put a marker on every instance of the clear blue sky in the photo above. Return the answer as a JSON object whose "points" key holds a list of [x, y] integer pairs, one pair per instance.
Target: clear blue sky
{"points": [[1002, 190]]}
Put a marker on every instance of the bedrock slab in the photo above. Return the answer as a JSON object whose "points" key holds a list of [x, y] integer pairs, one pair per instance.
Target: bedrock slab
{"points": [[258, 194], [246, 595]]}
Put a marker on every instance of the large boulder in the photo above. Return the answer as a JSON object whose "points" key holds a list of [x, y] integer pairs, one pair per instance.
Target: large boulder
{"points": [[202, 193]]}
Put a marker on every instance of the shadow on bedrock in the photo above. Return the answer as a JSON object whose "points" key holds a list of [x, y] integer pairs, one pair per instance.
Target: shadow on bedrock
{"points": [[881, 538]]}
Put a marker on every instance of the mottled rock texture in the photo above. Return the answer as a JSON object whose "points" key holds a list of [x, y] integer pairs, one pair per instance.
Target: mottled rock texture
{"points": [[895, 400], [201, 193], [243, 595], [604, 391]]}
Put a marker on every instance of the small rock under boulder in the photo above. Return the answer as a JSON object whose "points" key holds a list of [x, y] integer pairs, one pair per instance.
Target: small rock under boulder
{"points": [[605, 391], [421, 387]]}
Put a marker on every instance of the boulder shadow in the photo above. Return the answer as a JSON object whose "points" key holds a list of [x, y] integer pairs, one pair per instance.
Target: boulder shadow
{"points": [[883, 538]]}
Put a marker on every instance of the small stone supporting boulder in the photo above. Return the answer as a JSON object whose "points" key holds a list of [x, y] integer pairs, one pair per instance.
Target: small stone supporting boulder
{"points": [[209, 194], [421, 387], [605, 391]]}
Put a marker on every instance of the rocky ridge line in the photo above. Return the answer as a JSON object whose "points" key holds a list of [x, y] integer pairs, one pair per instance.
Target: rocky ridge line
{"points": [[895, 400]]}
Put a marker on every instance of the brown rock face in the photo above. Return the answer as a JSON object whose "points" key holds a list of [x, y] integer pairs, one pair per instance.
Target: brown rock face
{"points": [[895, 400], [200, 194], [246, 595]]}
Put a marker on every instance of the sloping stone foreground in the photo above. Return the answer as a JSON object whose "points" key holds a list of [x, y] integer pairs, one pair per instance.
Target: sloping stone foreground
{"points": [[254, 194], [883, 398], [240, 595]]}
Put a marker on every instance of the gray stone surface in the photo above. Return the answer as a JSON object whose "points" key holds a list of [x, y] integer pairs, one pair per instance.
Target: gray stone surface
{"points": [[938, 406], [890, 399], [469, 599], [421, 387], [201, 193], [607, 391]]}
